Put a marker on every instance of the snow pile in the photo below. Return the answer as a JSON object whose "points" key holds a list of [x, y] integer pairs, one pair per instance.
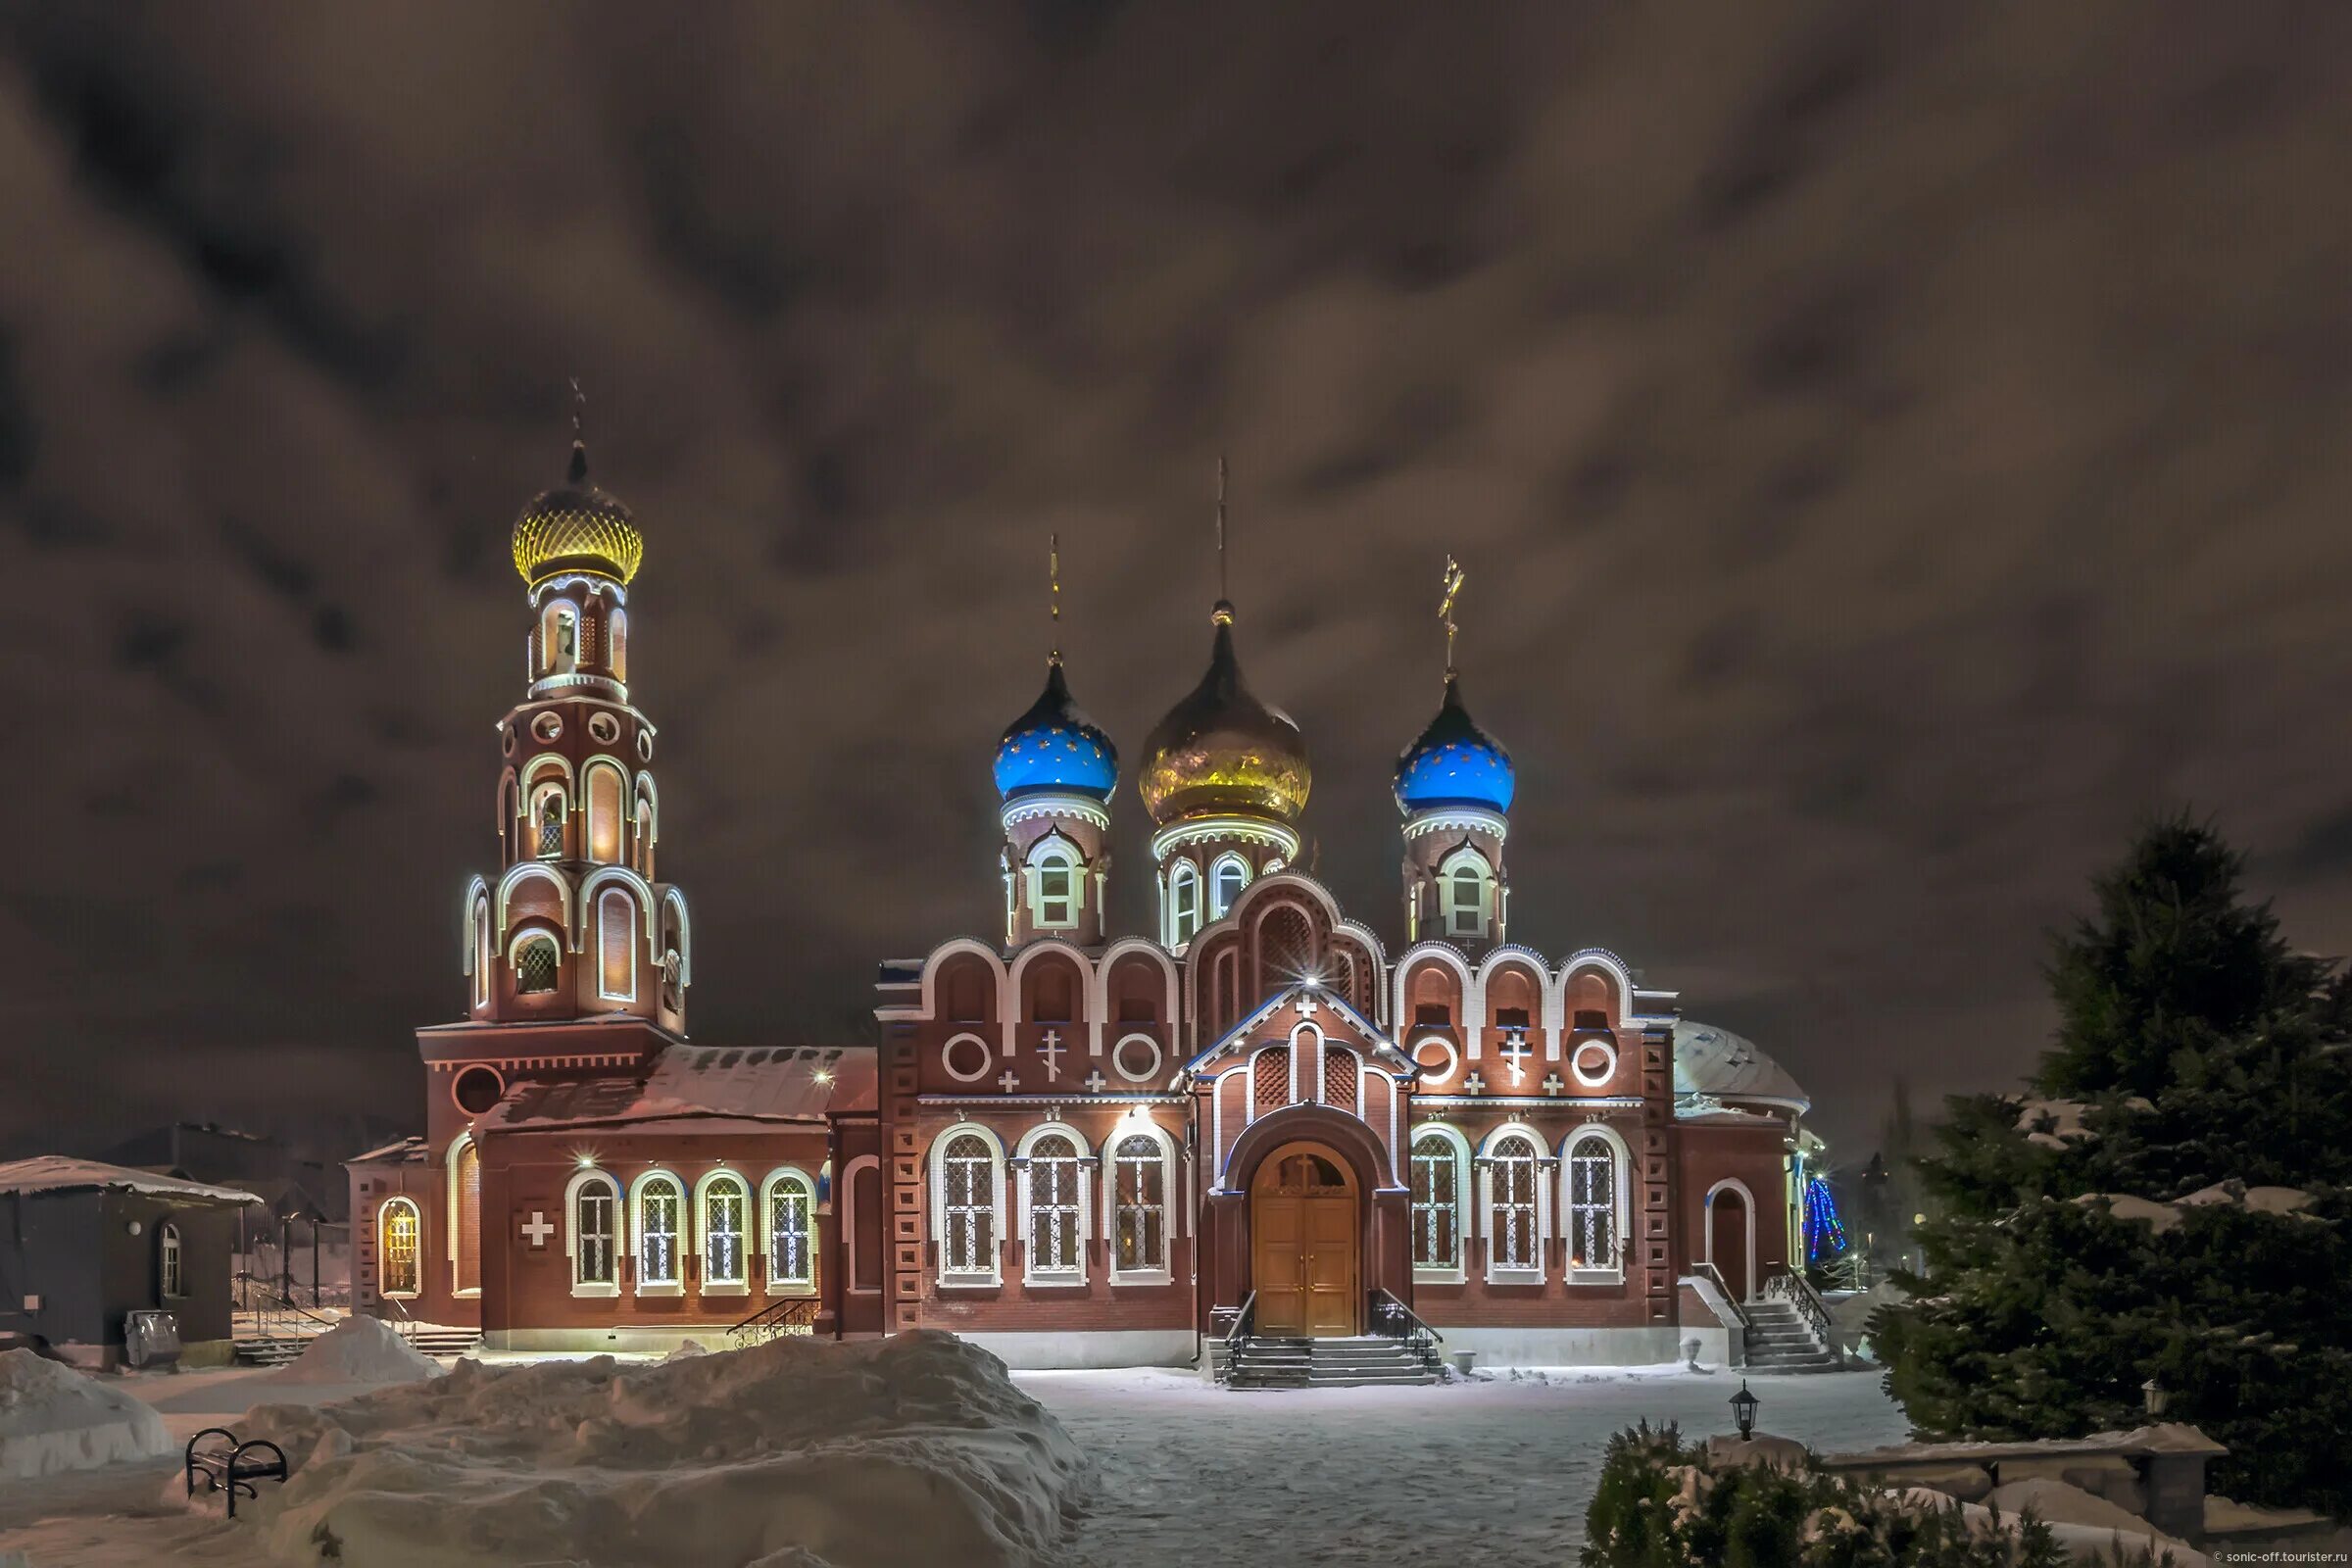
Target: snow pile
{"points": [[914, 1449], [357, 1349], [54, 1418], [2084, 1542]]}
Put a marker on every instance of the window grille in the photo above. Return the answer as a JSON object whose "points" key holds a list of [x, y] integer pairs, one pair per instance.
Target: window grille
{"points": [[657, 1209], [968, 1225], [1273, 1078], [398, 1270], [1591, 1204], [1513, 1179], [593, 1247], [791, 1220], [1339, 1077], [167, 1242], [1140, 1199], [1053, 1205], [535, 966], [722, 1232], [1437, 1203]]}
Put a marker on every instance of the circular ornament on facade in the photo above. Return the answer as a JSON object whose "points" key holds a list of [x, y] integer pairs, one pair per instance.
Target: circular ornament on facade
{"points": [[476, 1089], [506, 740], [548, 727], [1137, 1058], [603, 728], [645, 745], [1594, 1061], [964, 1059], [1447, 1053]]}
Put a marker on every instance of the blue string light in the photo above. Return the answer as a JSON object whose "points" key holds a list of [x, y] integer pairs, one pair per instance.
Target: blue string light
{"points": [[1824, 1232]]}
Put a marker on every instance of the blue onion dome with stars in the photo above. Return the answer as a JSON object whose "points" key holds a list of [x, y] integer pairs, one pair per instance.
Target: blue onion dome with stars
{"points": [[1055, 747], [1454, 763]]}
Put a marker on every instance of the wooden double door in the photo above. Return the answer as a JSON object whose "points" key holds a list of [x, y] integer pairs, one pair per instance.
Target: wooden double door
{"points": [[1304, 1232]]}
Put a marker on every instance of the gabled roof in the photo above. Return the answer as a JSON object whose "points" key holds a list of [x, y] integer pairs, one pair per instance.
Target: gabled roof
{"points": [[1239, 1035], [699, 1086], [56, 1173]]}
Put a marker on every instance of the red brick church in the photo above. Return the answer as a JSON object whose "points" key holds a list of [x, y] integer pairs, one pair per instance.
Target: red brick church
{"points": [[1074, 1148]]}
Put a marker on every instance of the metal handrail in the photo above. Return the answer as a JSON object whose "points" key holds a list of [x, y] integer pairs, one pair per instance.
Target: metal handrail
{"points": [[1397, 1308], [1798, 1293], [793, 1316], [1725, 1286], [1240, 1331]]}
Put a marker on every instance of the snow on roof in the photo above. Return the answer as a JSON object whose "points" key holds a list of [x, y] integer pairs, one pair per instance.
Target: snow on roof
{"points": [[692, 1084], [1716, 1062], [405, 1149], [57, 1173]]}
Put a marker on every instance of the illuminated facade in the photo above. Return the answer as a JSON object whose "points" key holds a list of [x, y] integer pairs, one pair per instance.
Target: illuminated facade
{"points": [[1075, 1146]]}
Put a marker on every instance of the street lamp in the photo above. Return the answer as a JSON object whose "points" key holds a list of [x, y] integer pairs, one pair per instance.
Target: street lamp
{"points": [[2155, 1394], [1744, 1410]]}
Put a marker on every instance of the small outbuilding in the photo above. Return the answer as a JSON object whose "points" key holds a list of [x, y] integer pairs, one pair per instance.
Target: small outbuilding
{"points": [[86, 1247]]}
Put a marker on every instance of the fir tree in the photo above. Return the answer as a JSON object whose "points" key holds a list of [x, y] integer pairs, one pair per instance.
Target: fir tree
{"points": [[2196, 1056]]}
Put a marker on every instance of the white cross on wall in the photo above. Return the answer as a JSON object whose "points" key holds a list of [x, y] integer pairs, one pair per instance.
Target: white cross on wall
{"points": [[1552, 1084], [1307, 1006], [1515, 1050], [1095, 1082], [538, 1229], [1474, 1085], [1008, 1083], [1052, 1051]]}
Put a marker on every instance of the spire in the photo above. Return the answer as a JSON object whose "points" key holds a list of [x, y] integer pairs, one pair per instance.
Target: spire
{"points": [[1053, 577], [579, 435], [1222, 613], [1450, 583]]}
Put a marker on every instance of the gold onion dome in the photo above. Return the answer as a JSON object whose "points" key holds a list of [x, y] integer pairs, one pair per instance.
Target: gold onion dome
{"points": [[1221, 751], [577, 527]]}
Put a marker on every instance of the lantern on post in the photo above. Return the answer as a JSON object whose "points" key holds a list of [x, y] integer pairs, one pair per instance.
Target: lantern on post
{"points": [[2155, 1394], [1744, 1410]]}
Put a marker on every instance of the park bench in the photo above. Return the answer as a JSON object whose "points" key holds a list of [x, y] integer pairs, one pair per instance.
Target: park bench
{"points": [[234, 1468]]}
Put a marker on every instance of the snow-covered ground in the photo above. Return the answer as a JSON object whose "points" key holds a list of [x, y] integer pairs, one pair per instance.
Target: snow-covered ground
{"points": [[1498, 1471], [1184, 1472]]}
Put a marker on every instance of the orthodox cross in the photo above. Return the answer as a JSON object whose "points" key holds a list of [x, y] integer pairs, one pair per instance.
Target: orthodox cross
{"points": [[1008, 1083], [1094, 1081], [1451, 582], [1515, 1050], [1054, 592], [1223, 584], [539, 1230], [1052, 1051]]}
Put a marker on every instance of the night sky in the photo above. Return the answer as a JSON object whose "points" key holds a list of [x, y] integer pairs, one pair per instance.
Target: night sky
{"points": [[1891, 450]]}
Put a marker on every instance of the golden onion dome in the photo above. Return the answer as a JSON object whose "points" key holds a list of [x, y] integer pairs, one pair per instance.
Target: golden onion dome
{"points": [[577, 527], [1221, 751]]}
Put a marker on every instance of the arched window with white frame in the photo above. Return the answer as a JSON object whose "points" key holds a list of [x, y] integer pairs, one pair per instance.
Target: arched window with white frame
{"points": [[592, 1234], [967, 1198], [1593, 1207], [170, 1261], [1226, 879], [559, 638], [479, 955], [1184, 902], [722, 1206], [1052, 1160], [1440, 1169], [616, 945], [605, 787], [550, 807], [618, 634], [465, 1217], [1141, 1176], [537, 960], [1467, 893], [1056, 886], [399, 1233], [660, 1201], [1515, 1208], [791, 1232]]}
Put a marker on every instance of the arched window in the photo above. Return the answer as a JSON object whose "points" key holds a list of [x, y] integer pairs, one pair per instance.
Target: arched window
{"points": [[967, 1194], [508, 809], [1056, 1235], [723, 1205], [1139, 1205], [1225, 883], [674, 972], [548, 811], [481, 952], [595, 1233], [1437, 1203], [643, 825], [1054, 894], [466, 1209], [616, 945], [1515, 1207], [620, 643], [398, 1229], [536, 960], [791, 1232], [658, 1203], [604, 785], [1592, 1234], [1465, 887], [1184, 903], [559, 639], [169, 1261]]}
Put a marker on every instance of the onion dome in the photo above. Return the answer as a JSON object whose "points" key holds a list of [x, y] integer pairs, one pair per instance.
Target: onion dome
{"points": [[1454, 763], [577, 527], [1221, 751], [1055, 747]]}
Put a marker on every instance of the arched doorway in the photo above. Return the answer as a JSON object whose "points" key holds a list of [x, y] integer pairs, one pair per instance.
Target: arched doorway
{"points": [[1304, 1231], [1732, 1238]]}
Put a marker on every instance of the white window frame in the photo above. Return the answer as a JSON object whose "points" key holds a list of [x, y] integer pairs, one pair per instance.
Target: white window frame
{"points": [[682, 1236], [1459, 1146], [1219, 902], [456, 1146], [478, 951], [1053, 852], [1620, 1166], [1500, 1272], [415, 1259], [740, 1283], [170, 1263], [1165, 1274], [1449, 906], [581, 1180], [1184, 902], [992, 1275], [792, 1176], [628, 925], [617, 810], [1032, 1272], [534, 822], [525, 938]]}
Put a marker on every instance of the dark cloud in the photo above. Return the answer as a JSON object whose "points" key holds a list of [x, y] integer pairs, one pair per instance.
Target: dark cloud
{"points": [[1890, 449]]}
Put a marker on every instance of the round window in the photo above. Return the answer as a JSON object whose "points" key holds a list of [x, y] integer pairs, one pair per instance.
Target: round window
{"points": [[547, 726], [645, 745], [603, 728], [965, 1059], [1437, 1057], [477, 1090], [1594, 1063], [505, 739], [1137, 1058]]}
